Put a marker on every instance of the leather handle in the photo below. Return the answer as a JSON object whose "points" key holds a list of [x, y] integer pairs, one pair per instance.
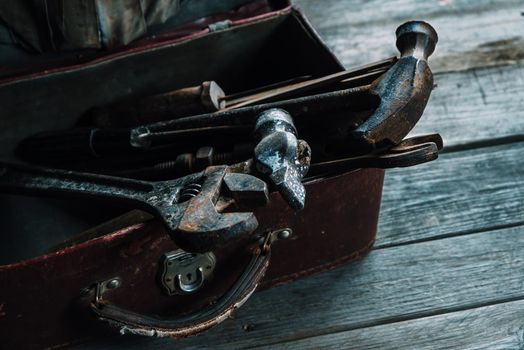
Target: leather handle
{"points": [[180, 327]]}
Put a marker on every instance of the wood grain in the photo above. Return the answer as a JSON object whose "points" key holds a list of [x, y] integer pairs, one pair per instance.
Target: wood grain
{"points": [[389, 285], [478, 61], [492, 327], [448, 272], [458, 193], [472, 34], [473, 105]]}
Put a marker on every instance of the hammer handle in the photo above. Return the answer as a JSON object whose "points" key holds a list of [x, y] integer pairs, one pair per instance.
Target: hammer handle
{"points": [[204, 98]]}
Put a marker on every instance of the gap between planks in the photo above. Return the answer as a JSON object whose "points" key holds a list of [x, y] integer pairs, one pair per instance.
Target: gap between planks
{"points": [[491, 101], [478, 62], [456, 330], [472, 34], [459, 193], [448, 235], [388, 286], [482, 143], [472, 107]]}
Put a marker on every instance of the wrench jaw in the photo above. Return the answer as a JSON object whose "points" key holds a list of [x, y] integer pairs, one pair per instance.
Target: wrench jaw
{"points": [[290, 186], [202, 226], [246, 190], [215, 231], [207, 210], [279, 157]]}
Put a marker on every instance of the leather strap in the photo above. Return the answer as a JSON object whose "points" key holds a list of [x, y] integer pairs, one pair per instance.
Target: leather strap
{"points": [[180, 327]]}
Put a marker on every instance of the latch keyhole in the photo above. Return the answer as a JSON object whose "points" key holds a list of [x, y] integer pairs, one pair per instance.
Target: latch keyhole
{"points": [[185, 272], [188, 285]]}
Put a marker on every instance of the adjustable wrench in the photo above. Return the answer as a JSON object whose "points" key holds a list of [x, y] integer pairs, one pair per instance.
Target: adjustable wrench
{"points": [[191, 207], [187, 205]]}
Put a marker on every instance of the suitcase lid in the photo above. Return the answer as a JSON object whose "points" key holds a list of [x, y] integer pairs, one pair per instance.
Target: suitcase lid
{"points": [[55, 97], [39, 36]]}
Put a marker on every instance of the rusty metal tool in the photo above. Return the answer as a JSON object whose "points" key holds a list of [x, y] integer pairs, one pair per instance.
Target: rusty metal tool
{"points": [[204, 98], [187, 205], [191, 207], [161, 133], [397, 99], [404, 90], [409, 152], [57, 146], [281, 156], [370, 71]]}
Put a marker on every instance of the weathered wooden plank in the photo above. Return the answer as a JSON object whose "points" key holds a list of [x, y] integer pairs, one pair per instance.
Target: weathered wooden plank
{"points": [[461, 192], [394, 284], [467, 105], [458, 193], [368, 12], [472, 33], [475, 105], [491, 327]]}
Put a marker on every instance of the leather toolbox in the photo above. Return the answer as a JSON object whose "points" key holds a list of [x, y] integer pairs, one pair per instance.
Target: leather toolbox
{"points": [[127, 274]]}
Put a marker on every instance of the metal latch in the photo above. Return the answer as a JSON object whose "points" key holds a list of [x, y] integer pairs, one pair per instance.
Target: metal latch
{"points": [[184, 272], [221, 25]]}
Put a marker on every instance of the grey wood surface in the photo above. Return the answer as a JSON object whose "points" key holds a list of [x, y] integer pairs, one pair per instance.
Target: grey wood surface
{"points": [[478, 62], [476, 105], [447, 271], [472, 34], [389, 285], [490, 328], [461, 192]]}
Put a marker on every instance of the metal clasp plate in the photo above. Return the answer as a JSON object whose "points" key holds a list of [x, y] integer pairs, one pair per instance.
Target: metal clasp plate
{"points": [[184, 272]]}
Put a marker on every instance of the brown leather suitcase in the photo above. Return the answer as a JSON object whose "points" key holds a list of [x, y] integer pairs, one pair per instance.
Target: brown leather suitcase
{"points": [[122, 275]]}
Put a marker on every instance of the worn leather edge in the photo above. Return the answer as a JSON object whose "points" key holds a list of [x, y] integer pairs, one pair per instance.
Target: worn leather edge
{"points": [[133, 50], [153, 327]]}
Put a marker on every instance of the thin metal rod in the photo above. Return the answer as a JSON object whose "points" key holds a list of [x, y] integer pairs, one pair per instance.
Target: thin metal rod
{"points": [[145, 136], [308, 85]]}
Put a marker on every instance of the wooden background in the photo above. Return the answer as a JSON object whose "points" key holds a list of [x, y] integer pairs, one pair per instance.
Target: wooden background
{"points": [[447, 271]]}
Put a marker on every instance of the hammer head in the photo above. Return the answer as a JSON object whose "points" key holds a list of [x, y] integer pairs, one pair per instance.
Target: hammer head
{"points": [[403, 91], [281, 156], [416, 38]]}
